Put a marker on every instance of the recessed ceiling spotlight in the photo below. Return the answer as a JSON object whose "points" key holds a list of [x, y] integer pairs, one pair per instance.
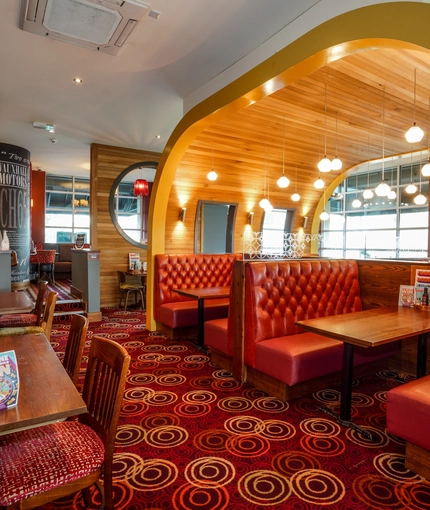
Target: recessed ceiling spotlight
{"points": [[158, 136], [77, 80]]}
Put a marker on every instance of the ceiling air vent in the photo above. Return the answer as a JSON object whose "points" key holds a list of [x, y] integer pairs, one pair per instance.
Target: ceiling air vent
{"points": [[102, 25]]}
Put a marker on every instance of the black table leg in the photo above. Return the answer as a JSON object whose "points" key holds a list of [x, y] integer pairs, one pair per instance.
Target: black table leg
{"points": [[344, 418], [422, 355], [200, 322]]}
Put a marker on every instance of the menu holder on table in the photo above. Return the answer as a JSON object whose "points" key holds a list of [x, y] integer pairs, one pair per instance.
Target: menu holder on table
{"points": [[9, 380]]}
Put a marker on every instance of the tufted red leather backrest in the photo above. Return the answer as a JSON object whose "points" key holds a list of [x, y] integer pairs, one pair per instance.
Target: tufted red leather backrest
{"points": [[279, 293], [189, 271]]}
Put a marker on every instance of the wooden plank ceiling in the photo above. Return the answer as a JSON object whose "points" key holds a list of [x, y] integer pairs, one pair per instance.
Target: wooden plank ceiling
{"points": [[291, 124]]}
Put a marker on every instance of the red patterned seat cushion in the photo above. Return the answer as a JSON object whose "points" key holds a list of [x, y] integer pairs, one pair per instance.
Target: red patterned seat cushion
{"points": [[36, 460], [16, 319]]}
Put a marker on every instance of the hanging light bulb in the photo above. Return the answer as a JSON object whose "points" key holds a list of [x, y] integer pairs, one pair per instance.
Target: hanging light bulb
{"points": [[368, 193], [414, 134], [392, 194], [325, 164], [283, 181], [212, 175], [264, 203], [324, 216], [295, 197], [420, 199], [319, 183], [268, 207], [411, 188], [356, 203], [383, 189], [425, 170], [336, 163]]}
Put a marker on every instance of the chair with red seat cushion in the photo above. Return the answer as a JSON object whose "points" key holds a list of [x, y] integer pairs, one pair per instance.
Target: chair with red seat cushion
{"points": [[34, 318], [46, 463], [75, 347], [44, 258]]}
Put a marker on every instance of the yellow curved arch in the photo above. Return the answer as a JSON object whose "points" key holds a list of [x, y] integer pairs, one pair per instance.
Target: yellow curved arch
{"points": [[388, 25]]}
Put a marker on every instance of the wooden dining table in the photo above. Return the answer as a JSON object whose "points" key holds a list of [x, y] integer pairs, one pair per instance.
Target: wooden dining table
{"points": [[46, 392], [15, 302], [201, 295], [370, 328]]}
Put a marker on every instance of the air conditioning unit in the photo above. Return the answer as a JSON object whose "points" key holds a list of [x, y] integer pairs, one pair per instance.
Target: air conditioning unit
{"points": [[102, 25]]}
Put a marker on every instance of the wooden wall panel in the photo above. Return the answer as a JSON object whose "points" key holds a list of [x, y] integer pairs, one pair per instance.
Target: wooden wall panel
{"points": [[106, 164]]}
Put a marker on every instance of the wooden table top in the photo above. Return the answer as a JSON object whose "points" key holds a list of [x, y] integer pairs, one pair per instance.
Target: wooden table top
{"points": [[15, 302], [46, 392], [205, 293], [370, 328]]}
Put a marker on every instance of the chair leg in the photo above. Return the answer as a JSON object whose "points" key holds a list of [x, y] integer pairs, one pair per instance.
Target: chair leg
{"points": [[126, 301], [143, 302]]}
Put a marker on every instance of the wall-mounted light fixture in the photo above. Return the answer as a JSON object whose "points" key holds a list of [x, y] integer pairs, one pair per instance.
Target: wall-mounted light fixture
{"points": [[250, 218], [304, 221], [182, 213]]}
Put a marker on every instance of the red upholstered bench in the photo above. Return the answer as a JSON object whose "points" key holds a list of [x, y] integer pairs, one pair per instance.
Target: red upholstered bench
{"points": [[408, 417], [176, 315], [279, 356]]}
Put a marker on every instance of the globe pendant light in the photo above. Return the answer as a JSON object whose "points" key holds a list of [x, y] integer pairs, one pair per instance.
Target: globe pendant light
{"points": [[383, 189], [295, 197], [319, 183], [392, 194], [414, 134], [265, 202], [368, 193], [356, 203], [325, 164], [425, 170], [336, 163], [324, 216], [420, 199], [283, 182], [411, 188], [212, 175]]}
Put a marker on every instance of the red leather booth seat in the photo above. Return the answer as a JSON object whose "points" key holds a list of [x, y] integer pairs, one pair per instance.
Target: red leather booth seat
{"points": [[219, 333], [277, 293], [408, 412], [189, 271]]}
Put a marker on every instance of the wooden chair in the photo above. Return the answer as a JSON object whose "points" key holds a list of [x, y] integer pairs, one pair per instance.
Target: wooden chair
{"points": [[127, 287], [44, 258], [34, 318], [75, 347], [65, 457], [46, 324]]}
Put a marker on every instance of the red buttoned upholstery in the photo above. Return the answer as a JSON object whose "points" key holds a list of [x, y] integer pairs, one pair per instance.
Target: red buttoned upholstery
{"points": [[35, 460], [189, 271], [279, 293]]}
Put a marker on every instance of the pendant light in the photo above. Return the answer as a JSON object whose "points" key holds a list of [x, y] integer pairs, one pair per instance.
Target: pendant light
{"points": [[411, 188], [368, 193], [356, 203], [265, 203], [325, 164], [336, 163], [295, 197], [414, 134], [319, 183], [324, 216], [283, 182], [392, 194], [212, 175], [383, 189], [420, 199], [425, 170]]}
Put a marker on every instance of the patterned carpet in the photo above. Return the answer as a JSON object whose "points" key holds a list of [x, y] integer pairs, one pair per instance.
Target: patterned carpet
{"points": [[192, 438]]}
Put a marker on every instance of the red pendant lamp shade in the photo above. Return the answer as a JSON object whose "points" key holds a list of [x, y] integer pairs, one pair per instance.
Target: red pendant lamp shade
{"points": [[140, 188]]}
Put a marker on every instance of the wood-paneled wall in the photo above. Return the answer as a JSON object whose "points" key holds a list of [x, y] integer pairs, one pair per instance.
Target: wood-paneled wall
{"points": [[106, 164]]}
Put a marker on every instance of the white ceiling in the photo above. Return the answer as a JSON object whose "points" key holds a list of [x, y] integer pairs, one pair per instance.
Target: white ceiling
{"points": [[129, 99]]}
